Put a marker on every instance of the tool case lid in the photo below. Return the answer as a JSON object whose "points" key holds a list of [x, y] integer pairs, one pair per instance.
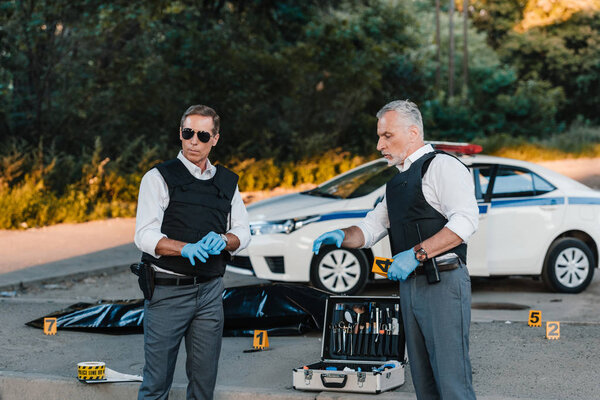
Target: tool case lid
{"points": [[386, 304]]}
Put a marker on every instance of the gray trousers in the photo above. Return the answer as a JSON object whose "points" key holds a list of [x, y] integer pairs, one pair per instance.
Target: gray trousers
{"points": [[196, 313], [436, 322]]}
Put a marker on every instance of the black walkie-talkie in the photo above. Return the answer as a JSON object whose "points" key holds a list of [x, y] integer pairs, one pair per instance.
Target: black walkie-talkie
{"points": [[431, 268]]}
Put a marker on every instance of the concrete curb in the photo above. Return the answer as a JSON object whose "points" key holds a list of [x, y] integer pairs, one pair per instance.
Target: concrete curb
{"points": [[18, 385], [104, 261], [19, 280]]}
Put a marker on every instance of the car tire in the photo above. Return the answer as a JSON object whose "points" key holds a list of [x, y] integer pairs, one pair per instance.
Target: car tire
{"points": [[339, 270], [569, 266]]}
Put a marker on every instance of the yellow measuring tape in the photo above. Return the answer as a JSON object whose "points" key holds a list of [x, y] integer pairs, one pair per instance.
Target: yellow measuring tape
{"points": [[93, 370]]}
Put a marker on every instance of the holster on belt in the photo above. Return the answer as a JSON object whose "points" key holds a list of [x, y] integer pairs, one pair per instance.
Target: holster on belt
{"points": [[145, 274], [432, 272]]}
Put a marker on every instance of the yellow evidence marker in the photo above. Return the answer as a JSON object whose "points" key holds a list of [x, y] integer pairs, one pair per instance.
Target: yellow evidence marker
{"points": [[261, 340], [552, 330], [50, 326], [535, 318], [381, 265]]}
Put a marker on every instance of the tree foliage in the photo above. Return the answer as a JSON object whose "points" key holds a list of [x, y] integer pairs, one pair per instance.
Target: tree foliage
{"points": [[557, 42], [290, 79], [91, 92]]}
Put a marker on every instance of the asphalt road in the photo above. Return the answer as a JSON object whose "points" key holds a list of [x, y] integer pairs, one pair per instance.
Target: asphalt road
{"points": [[510, 359]]}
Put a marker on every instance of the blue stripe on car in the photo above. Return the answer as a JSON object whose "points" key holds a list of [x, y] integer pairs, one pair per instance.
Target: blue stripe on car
{"points": [[545, 201], [483, 208], [344, 214], [584, 200]]}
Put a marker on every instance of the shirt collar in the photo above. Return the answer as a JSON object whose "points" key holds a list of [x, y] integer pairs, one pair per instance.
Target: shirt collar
{"points": [[414, 157], [193, 168]]}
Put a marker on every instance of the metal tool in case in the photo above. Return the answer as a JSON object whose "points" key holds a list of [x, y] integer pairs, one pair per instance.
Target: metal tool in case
{"points": [[362, 348]]}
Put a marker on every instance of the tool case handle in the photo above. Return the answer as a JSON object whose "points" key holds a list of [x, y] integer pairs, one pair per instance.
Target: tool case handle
{"points": [[335, 385]]}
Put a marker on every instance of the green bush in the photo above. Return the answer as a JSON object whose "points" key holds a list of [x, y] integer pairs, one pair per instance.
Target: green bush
{"points": [[39, 188], [33, 192], [578, 141], [268, 174]]}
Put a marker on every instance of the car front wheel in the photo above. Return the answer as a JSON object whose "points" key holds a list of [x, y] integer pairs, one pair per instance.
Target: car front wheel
{"points": [[569, 266], [339, 270]]}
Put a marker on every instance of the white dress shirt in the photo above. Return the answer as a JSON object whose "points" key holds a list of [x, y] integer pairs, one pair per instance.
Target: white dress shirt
{"points": [[447, 187], [153, 200]]}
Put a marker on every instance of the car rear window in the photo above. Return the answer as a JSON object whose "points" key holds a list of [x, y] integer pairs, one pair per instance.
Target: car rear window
{"points": [[517, 182]]}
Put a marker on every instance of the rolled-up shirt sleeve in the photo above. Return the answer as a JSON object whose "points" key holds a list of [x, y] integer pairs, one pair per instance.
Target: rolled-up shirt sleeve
{"points": [[153, 199], [239, 222], [455, 193], [375, 224]]}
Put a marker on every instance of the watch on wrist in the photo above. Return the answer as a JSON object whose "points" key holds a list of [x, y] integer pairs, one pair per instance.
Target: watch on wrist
{"points": [[225, 238], [420, 253]]}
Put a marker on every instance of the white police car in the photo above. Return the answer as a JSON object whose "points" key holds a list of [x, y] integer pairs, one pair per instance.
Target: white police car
{"points": [[532, 221]]}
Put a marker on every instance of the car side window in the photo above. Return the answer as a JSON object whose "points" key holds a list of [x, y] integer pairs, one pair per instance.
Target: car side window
{"points": [[541, 185], [481, 179], [519, 182]]}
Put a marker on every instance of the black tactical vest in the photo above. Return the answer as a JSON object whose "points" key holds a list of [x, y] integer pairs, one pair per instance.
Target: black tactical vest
{"points": [[195, 208], [408, 209]]}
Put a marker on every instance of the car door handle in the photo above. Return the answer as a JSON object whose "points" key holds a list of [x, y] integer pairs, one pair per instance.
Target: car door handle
{"points": [[483, 210], [551, 206], [548, 208], [377, 201]]}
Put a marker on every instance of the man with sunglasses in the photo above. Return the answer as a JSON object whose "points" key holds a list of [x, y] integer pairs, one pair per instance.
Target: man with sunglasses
{"points": [[190, 220]]}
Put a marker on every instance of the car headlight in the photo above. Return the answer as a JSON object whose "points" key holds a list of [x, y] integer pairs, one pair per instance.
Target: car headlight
{"points": [[282, 226]]}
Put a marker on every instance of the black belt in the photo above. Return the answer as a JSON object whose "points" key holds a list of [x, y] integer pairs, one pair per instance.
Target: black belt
{"points": [[420, 270], [445, 265], [182, 280]]}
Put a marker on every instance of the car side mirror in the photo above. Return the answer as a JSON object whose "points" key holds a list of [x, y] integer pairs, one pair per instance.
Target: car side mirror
{"points": [[379, 200]]}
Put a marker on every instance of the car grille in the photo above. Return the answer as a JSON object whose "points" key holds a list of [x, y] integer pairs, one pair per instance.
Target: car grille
{"points": [[241, 262], [275, 264]]}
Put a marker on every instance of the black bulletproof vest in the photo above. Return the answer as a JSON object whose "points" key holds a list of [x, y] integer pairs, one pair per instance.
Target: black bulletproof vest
{"points": [[195, 208], [408, 209]]}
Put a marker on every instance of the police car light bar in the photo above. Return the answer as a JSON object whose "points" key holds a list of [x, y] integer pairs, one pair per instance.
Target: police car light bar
{"points": [[457, 148]]}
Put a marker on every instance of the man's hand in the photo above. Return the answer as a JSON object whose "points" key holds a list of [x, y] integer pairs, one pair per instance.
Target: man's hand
{"points": [[334, 237], [404, 263], [214, 243], [197, 250]]}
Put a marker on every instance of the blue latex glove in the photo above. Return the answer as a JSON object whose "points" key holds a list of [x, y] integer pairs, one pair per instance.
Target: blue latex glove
{"points": [[404, 263], [197, 250], [334, 237], [214, 243]]}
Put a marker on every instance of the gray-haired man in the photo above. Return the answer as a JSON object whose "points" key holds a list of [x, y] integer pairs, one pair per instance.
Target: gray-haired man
{"points": [[429, 212]]}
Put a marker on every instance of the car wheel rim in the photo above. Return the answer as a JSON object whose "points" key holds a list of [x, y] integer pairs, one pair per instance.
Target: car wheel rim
{"points": [[571, 267], [339, 271]]}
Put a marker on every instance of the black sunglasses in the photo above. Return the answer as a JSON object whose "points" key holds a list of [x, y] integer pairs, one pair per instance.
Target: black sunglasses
{"points": [[188, 133]]}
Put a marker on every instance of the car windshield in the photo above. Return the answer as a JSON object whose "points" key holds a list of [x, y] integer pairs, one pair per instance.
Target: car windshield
{"points": [[356, 184]]}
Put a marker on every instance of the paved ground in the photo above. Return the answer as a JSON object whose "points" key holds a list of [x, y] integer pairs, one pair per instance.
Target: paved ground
{"points": [[510, 360], [585, 170], [37, 246]]}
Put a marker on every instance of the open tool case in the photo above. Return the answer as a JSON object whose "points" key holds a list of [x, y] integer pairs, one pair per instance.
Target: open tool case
{"points": [[362, 348]]}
